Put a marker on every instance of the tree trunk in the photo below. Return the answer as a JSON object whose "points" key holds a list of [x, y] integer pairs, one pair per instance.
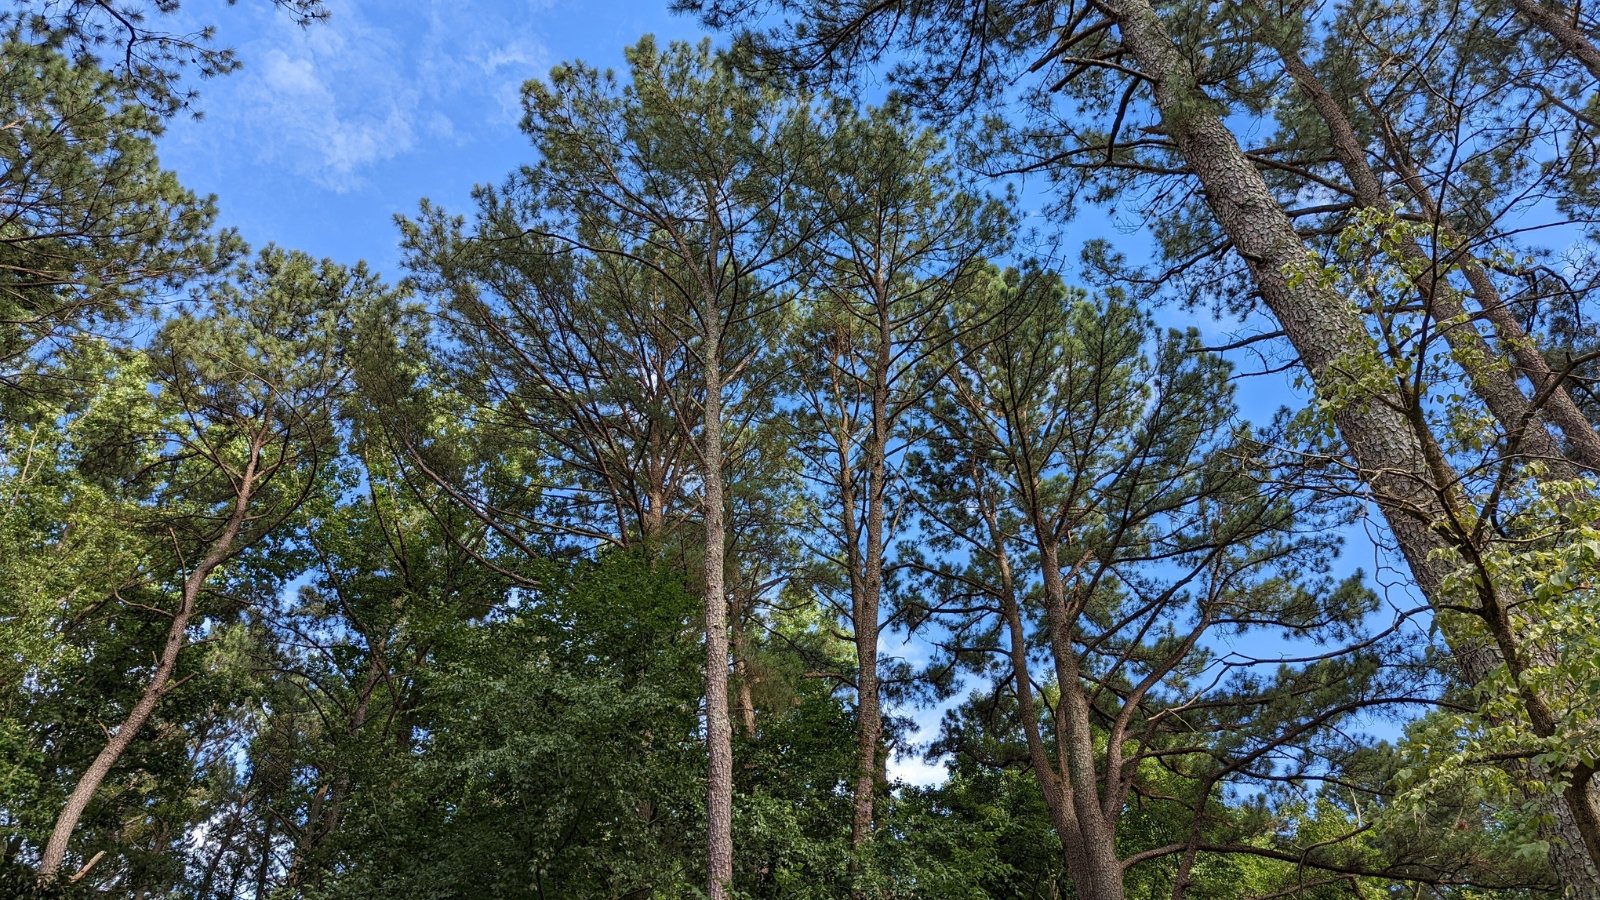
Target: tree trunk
{"points": [[1099, 873], [1411, 490], [741, 666], [1583, 444], [1491, 380], [327, 807], [869, 712], [1494, 385], [55, 851], [1560, 23], [207, 888], [719, 728]]}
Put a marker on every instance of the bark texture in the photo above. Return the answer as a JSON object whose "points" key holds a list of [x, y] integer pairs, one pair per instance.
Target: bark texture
{"points": [[1561, 23], [1409, 481], [719, 726]]}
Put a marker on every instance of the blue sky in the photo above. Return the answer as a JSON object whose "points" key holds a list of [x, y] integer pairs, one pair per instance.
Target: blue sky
{"points": [[329, 131]]}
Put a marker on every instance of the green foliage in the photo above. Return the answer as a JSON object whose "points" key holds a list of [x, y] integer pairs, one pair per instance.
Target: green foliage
{"points": [[453, 647], [94, 229], [556, 753]]}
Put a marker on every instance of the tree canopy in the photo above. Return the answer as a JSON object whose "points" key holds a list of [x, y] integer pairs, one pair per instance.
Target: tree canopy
{"points": [[627, 540]]}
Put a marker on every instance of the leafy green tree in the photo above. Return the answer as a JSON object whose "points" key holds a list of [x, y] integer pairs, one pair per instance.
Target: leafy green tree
{"points": [[557, 751], [901, 239], [241, 429]]}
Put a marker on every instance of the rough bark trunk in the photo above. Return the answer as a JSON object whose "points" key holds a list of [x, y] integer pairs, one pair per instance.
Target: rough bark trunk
{"points": [[869, 713], [1325, 328], [1560, 23], [55, 851], [1099, 874], [1494, 385], [719, 727]]}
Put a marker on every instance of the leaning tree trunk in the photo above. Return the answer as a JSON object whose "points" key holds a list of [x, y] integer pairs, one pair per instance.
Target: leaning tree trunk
{"points": [[1561, 24], [1411, 490], [55, 850], [1556, 402], [1491, 379], [1493, 382]]}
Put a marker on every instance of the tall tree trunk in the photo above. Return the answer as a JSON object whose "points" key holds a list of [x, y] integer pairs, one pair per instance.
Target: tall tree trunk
{"points": [[55, 850], [264, 861], [1500, 394], [1578, 815], [1411, 490], [326, 810], [719, 728], [869, 711], [207, 888]]}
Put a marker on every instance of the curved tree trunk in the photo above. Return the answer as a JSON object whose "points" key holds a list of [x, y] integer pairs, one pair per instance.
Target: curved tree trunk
{"points": [[1090, 872], [55, 851]]}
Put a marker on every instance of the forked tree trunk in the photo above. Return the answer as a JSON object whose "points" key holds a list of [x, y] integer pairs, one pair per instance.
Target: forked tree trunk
{"points": [[1099, 870], [1058, 795]]}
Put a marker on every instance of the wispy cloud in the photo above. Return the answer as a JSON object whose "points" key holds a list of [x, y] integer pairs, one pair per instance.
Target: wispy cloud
{"points": [[333, 102], [328, 134]]}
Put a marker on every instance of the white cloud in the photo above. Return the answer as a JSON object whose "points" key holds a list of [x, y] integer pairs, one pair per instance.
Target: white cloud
{"points": [[916, 770], [332, 102], [330, 136]]}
